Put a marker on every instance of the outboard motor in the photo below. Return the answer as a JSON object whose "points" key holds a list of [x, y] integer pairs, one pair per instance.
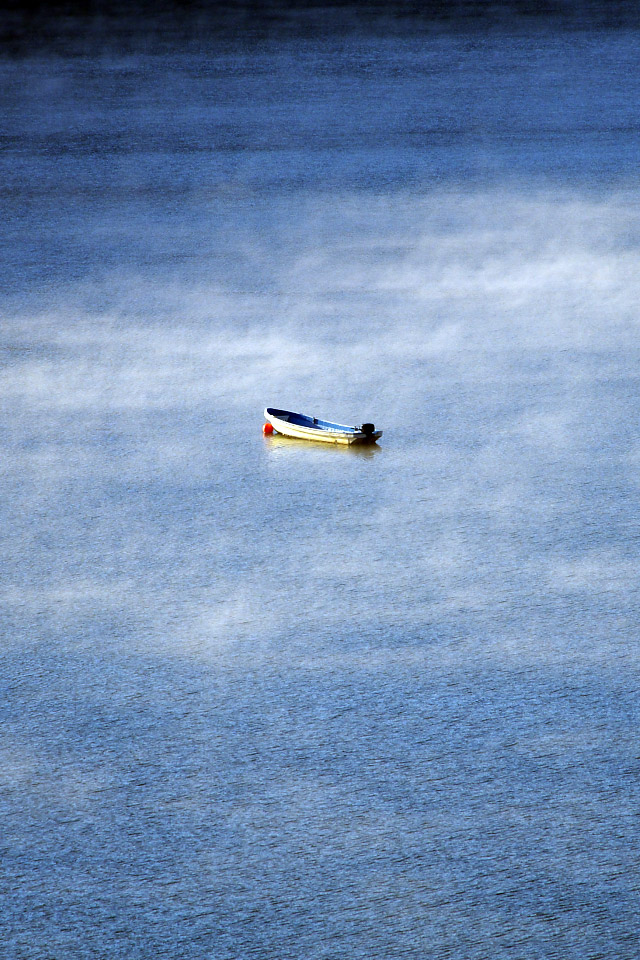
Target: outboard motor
{"points": [[368, 429]]}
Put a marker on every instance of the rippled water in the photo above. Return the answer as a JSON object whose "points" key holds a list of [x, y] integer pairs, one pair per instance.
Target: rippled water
{"points": [[263, 699]]}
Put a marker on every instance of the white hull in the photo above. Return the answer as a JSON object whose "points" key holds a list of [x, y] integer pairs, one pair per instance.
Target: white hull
{"points": [[324, 436]]}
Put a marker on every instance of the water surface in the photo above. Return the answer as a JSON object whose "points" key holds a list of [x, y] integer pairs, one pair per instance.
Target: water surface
{"points": [[263, 699]]}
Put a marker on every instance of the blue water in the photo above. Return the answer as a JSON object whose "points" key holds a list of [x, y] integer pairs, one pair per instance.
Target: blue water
{"points": [[266, 699]]}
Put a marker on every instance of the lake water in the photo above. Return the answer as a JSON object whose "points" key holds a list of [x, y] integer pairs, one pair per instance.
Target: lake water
{"points": [[266, 700]]}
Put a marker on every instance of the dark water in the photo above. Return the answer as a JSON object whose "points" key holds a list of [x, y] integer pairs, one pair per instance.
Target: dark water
{"points": [[267, 700]]}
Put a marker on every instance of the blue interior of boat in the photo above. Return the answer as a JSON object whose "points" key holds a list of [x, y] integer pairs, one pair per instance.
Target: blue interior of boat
{"points": [[303, 421]]}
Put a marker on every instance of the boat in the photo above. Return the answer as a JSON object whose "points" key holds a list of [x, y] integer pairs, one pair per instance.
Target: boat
{"points": [[310, 428]]}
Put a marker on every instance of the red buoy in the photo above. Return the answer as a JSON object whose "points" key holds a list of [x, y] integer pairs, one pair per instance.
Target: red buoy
{"points": [[267, 429]]}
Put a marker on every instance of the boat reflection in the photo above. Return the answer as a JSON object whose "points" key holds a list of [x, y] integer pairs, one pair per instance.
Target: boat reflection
{"points": [[276, 442]]}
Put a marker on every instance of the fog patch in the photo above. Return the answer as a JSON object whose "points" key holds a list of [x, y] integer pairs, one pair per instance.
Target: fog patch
{"points": [[492, 335], [44, 777], [594, 572]]}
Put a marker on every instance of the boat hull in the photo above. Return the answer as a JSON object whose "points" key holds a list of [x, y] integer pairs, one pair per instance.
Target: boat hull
{"points": [[319, 431]]}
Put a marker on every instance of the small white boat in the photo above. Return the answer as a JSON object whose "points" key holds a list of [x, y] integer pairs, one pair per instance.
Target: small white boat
{"points": [[310, 428]]}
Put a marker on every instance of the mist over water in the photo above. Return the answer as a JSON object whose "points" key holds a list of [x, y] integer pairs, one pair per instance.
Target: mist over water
{"points": [[263, 699]]}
